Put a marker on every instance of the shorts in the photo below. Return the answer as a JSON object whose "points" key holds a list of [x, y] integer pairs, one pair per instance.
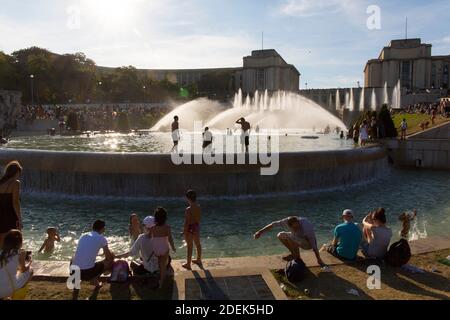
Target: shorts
{"points": [[206, 144], [302, 242], [94, 272], [333, 251]]}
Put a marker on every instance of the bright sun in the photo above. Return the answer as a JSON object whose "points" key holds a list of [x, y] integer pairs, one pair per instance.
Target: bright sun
{"points": [[112, 13]]}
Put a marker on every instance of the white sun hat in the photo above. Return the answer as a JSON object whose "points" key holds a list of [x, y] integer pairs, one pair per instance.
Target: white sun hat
{"points": [[149, 222]]}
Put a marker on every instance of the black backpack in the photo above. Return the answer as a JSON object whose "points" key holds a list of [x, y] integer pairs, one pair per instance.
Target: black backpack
{"points": [[295, 270], [398, 254]]}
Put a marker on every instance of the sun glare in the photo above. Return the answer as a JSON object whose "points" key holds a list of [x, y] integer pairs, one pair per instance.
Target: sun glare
{"points": [[112, 13]]}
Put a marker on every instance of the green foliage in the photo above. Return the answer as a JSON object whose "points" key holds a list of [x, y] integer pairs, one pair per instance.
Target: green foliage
{"points": [[386, 124], [75, 78], [217, 83]]}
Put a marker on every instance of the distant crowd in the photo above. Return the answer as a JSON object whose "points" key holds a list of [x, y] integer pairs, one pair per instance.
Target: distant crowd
{"points": [[152, 240], [441, 108], [90, 118]]}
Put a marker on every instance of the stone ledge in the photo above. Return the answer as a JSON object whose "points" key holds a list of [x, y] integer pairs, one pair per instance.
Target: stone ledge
{"points": [[59, 269]]}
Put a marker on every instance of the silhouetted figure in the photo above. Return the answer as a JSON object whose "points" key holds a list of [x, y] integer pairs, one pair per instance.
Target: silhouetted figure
{"points": [[207, 139], [245, 136], [175, 133]]}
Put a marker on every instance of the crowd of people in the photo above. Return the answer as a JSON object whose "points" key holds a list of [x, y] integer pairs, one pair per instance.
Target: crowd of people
{"points": [[99, 117], [152, 240], [441, 108]]}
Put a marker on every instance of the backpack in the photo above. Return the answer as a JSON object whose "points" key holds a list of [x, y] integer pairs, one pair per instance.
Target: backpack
{"points": [[295, 270], [398, 254], [120, 271]]}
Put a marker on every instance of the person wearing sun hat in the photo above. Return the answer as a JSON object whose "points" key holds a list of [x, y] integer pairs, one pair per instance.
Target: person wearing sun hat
{"points": [[143, 248], [347, 238]]}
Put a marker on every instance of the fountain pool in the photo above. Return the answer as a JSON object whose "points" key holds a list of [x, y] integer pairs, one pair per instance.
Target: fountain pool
{"points": [[228, 223], [161, 142]]}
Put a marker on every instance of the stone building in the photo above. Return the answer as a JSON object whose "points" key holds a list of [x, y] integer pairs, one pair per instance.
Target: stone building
{"points": [[410, 62], [266, 69], [263, 69]]}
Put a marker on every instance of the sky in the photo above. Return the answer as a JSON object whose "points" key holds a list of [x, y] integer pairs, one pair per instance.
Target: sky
{"points": [[329, 41]]}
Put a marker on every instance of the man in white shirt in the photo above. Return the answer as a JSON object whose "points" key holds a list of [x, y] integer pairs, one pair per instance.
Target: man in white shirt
{"points": [[88, 248]]}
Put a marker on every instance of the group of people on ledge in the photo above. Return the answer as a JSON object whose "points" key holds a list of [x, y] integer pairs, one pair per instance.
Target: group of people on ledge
{"points": [[373, 238], [152, 242], [152, 239]]}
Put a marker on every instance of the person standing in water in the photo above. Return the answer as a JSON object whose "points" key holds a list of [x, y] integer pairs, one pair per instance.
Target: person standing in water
{"points": [[191, 230], [175, 133], [245, 136]]}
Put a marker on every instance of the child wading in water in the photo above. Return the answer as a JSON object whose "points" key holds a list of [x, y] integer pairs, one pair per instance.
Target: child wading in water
{"points": [[49, 243], [135, 228], [162, 242], [191, 230]]}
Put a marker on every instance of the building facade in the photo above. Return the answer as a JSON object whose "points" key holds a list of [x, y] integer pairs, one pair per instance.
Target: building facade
{"points": [[409, 62], [267, 70], [262, 70]]}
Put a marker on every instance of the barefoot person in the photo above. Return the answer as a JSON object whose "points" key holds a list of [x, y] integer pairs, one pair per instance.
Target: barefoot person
{"points": [[162, 242], [88, 248], [49, 243], [191, 231], [301, 235], [245, 136], [10, 213], [347, 238], [175, 133]]}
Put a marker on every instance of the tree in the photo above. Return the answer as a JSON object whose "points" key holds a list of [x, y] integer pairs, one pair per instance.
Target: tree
{"points": [[386, 124]]}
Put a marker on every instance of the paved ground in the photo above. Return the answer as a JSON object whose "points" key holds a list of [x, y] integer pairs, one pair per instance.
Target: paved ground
{"points": [[234, 278]]}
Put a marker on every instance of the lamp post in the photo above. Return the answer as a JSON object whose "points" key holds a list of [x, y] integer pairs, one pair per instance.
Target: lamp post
{"points": [[32, 88], [143, 88], [306, 85], [100, 85]]}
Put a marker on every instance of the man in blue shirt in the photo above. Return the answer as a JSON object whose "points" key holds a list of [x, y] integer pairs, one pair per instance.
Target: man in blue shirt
{"points": [[347, 238]]}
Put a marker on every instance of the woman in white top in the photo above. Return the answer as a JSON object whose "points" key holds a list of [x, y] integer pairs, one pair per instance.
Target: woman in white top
{"points": [[363, 133], [15, 271]]}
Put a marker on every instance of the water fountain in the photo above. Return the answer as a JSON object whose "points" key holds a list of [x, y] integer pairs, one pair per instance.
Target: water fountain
{"points": [[134, 168], [362, 100], [281, 110], [338, 100], [385, 94], [373, 100], [351, 104]]}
